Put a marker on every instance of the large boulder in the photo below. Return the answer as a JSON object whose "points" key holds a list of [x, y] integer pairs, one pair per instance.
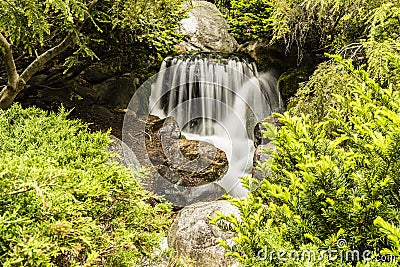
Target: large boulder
{"points": [[115, 92], [192, 235], [268, 55], [181, 161], [182, 171], [206, 30]]}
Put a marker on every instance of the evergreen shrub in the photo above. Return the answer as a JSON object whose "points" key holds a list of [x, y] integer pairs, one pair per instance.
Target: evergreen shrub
{"points": [[334, 180], [64, 203]]}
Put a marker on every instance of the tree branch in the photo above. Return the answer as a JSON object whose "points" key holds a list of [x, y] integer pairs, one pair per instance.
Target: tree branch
{"points": [[45, 57], [24, 190], [11, 69]]}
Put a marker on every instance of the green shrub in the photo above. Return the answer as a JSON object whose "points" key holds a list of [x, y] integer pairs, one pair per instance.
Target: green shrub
{"points": [[393, 234], [318, 26], [317, 95], [331, 178], [250, 19], [63, 203], [335, 182], [247, 20], [379, 55]]}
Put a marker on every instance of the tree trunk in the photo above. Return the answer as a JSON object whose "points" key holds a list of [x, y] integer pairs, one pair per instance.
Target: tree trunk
{"points": [[16, 82], [10, 92], [7, 96]]}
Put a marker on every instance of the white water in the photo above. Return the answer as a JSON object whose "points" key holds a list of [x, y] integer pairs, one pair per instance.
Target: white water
{"points": [[219, 101]]}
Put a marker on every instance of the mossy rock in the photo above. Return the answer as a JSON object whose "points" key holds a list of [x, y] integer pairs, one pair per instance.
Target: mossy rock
{"points": [[289, 82]]}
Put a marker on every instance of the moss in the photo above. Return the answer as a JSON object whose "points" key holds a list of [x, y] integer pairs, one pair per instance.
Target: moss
{"points": [[289, 82]]}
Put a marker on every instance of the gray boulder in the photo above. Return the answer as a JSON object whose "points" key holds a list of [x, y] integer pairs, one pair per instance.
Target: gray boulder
{"points": [[101, 112], [206, 30], [191, 234]]}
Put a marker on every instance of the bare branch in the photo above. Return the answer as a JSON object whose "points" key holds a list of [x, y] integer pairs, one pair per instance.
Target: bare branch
{"points": [[21, 191], [24, 190], [12, 73], [45, 57], [92, 4], [48, 55]]}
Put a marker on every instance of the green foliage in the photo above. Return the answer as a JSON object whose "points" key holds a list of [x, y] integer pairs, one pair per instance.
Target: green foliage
{"points": [[250, 19], [322, 26], [335, 169], [331, 178], [313, 26], [316, 27], [140, 29], [393, 234], [223, 5], [316, 96], [384, 22], [380, 55], [64, 203], [97, 28], [383, 47]]}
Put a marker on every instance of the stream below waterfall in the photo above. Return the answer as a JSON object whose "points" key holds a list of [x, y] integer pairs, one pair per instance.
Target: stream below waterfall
{"points": [[217, 100]]}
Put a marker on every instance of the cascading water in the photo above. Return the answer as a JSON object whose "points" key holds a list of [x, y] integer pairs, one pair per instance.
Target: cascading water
{"points": [[217, 100]]}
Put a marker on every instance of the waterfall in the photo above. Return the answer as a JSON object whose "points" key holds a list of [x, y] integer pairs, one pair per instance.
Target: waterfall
{"points": [[218, 100]]}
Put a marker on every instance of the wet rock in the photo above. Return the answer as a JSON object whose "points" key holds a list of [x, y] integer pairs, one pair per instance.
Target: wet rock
{"points": [[191, 234], [95, 74], [182, 170], [181, 161], [196, 162], [289, 82], [163, 128], [264, 148], [259, 139], [120, 92], [266, 54], [115, 92], [37, 79], [159, 134], [270, 55], [181, 196], [206, 30], [178, 195]]}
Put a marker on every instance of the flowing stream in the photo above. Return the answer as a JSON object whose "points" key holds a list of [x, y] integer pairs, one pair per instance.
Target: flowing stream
{"points": [[218, 100]]}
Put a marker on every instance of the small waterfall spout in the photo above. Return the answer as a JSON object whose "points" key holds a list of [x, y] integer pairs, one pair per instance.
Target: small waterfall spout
{"points": [[218, 100]]}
